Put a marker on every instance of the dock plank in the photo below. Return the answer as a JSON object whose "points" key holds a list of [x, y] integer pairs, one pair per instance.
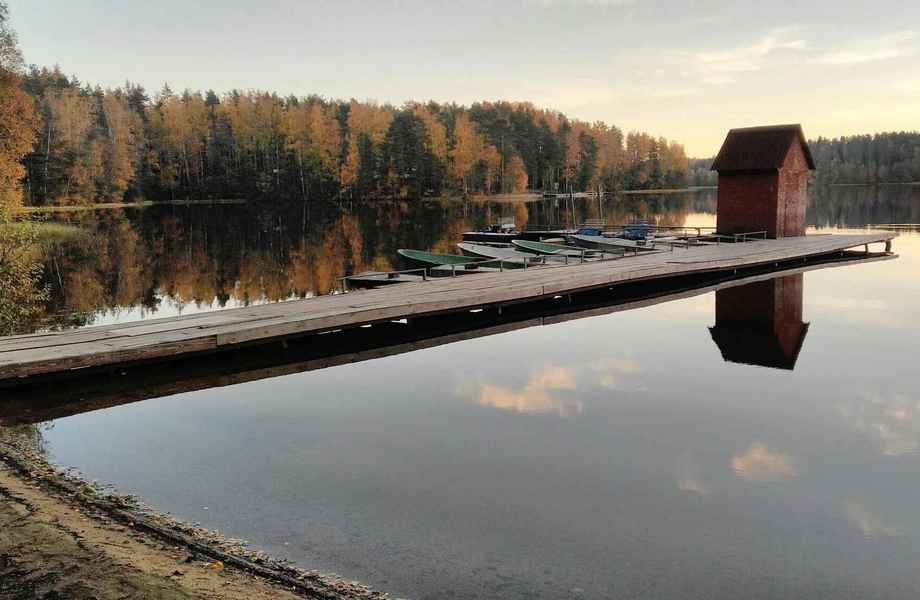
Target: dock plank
{"points": [[166, 338]]}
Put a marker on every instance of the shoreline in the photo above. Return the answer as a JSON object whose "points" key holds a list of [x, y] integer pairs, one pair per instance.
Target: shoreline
{"points": [[120, 205], [692, 188], [64, 535], [497, 198], [871, 184]]}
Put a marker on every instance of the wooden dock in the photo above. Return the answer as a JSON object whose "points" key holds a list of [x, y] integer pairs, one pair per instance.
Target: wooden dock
{"points": [[172, 338], [46, 399]]}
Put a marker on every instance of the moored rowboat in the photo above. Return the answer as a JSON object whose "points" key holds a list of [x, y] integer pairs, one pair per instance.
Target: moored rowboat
{"points": [[599, 242], [511, 257], [427, 259], [554, 249]]}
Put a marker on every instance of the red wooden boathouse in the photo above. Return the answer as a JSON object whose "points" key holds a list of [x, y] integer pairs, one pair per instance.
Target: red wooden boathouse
{"points": [[763, 179]]}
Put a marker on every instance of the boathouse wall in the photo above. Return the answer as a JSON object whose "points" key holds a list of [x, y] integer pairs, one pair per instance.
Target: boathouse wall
{"points": [[763, 181], [793, 194], [747, 202]]}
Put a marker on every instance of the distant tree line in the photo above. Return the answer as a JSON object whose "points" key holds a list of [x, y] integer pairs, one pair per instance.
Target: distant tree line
{"points": [[859, 159], [701, 173], [122, 144], [880, 158]]}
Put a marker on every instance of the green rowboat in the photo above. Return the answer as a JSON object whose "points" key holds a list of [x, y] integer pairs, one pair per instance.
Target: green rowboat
{"points": [[552, 249], [421, 257]]}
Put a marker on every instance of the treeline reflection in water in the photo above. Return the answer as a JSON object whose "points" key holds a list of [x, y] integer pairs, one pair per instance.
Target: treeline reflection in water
{"points": [[131, 264], [121, 265]]}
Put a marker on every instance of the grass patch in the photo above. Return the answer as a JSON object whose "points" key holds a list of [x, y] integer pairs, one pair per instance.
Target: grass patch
{"points": [[46, 232]]}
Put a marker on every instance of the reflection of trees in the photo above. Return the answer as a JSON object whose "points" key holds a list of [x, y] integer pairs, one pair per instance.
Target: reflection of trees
{"points": [[104, 267], [342, 250], [216, 255], [447, 243], [858, 206], [664, 209]]}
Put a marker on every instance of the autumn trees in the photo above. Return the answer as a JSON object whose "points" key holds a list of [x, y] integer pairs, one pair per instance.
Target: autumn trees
{"points": [[121, 144], [18, 120], [71, 143], [19, 270]]}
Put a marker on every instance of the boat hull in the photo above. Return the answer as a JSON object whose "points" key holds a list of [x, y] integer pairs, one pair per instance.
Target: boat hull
{"points": [[597, 242], [551, 249], [420, 258]]}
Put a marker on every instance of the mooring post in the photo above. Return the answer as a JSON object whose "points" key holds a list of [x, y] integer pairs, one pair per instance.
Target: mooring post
{"points": [[888, 246]]}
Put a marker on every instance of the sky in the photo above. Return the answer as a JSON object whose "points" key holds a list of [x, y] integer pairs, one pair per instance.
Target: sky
{"points": [[687, 70]]}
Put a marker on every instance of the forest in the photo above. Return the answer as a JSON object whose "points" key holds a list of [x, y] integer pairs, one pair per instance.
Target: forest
{"points": [[859, 159], [96, 145], [881, 158]]}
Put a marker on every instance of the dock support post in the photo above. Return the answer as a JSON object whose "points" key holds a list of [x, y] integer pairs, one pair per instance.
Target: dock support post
{"points": [[888, 246], [867, 248]]}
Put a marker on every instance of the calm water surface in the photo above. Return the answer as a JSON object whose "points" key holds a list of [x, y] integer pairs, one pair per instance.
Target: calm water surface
{"points": [[631, 455]]}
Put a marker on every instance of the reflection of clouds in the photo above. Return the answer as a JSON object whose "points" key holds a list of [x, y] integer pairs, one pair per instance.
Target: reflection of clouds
{"points": [[891, 423], [758, 463], [688, 477], [850, 304], [873, 310], [870, 524], [536, 396], [609, 371]]}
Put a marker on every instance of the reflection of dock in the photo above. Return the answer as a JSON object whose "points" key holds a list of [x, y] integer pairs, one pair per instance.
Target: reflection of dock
{"points": [[169, 339], [44, 399]]}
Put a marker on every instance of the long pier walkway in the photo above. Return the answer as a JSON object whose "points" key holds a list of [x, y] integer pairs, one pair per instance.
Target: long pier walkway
{"points": [[170, 338]]}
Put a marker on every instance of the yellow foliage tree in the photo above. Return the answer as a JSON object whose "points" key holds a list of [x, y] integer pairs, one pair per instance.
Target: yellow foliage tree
{"points": [[517, 173], [367, 121], [121, 126], [18, 122], [467, 150], [437, 133]]}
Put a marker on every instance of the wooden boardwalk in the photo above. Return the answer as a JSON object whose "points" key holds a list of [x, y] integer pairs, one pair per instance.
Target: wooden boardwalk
{"points": [[170, 338]]}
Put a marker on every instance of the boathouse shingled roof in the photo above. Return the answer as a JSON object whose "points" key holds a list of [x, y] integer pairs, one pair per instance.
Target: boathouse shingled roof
{"points": [[760, 148]]}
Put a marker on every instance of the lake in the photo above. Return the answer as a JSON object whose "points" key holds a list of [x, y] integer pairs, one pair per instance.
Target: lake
{"points": [[715, 446]]}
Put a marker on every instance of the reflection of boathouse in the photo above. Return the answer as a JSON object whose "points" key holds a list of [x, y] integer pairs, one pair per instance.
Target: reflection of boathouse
{"points": [[761, 323]]}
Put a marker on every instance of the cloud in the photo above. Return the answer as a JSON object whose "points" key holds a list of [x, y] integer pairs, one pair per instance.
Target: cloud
{"points": [[720, 66], [758, 463], [892, 45], [592, 3], [870, 524], [536, 396], [688, 477], [891, 423], [609, 371], [584, 91]]}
